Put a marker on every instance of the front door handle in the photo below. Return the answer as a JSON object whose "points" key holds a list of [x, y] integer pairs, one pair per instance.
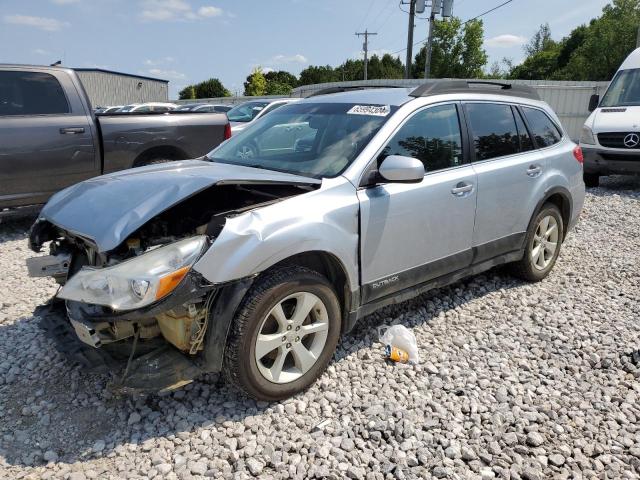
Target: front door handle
{"points": [[534, 170], [71, 130], [461, 188]]}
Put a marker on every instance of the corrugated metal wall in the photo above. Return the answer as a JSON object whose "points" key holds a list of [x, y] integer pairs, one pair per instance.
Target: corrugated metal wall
{"points": [[113, 89], [568, 99]]}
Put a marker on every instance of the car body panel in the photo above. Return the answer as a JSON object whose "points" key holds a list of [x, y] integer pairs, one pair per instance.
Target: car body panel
{"points": [[324, 220], [135, 196]]}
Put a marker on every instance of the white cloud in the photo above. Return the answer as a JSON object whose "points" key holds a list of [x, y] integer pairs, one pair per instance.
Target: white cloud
{"points": [[160, 61], [282, 59], [166, 10], [167, 74], [41, 51], [65, 2], [43, 23], [209, 11], [505, 41]]}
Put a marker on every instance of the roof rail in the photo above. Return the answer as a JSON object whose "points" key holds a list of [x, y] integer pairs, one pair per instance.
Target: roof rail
{"points": [[442, 87], [330, 90]]}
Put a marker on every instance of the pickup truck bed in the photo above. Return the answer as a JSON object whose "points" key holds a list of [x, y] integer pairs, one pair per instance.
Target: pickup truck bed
{"points": [[50, 138]]}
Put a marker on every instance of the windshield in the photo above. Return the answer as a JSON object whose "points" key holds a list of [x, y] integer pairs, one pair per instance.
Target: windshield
{"points": [[311, 139], [246, 112], [128, 108], [624, 89]]}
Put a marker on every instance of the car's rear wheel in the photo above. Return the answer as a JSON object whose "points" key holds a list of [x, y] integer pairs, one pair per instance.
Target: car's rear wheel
{"points": [[284, 334], [591, 180], [543, 242]]}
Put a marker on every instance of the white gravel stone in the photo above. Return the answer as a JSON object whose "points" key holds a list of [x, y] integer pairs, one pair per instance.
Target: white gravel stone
{"points": [[528, 381]]}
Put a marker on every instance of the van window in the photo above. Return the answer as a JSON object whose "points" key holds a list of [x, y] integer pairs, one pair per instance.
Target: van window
{"points": [[432, 136], [624, 89], [544, 131], [494, 130], [31, 93]]}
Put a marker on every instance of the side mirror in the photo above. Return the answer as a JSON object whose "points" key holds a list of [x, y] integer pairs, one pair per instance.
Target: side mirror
{"points": [[396, 168], [593, 102]]}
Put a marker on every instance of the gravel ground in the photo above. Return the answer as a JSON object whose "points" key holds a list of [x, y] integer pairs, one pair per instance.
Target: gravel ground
{"points": [[517, 381]]}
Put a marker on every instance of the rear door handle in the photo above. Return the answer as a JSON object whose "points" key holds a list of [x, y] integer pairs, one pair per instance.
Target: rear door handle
{"points": [[71, 130], [461, 188], [534, 170]]}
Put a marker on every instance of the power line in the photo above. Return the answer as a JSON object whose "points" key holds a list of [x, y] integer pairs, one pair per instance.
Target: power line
{"points": [[371, 3], [463, 23]]}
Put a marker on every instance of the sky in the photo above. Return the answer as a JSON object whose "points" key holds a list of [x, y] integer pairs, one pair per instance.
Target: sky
{"points": [[187, 41]]}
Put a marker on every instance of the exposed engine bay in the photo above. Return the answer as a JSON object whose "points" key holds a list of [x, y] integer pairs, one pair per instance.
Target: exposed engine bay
{"points": [[181, 317]]}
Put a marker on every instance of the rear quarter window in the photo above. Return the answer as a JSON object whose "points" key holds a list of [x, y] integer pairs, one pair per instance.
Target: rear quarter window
{"points": [[545, 132]]}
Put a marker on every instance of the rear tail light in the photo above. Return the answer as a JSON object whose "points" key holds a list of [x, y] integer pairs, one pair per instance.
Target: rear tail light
{"points": [[577, 153], [227, 131]]}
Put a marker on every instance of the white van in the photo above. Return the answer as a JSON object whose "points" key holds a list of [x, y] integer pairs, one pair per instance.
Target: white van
{"points": [[610, 137]]}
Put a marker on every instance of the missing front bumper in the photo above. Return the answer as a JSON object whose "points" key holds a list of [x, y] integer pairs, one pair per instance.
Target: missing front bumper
{"points": [[158, 366]]}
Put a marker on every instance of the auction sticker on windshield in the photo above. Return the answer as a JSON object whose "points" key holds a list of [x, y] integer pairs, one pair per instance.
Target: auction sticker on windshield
{"points": [[377, 110]]}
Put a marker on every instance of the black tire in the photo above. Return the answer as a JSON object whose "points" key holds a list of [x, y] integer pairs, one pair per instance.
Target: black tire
{"points": [[525, 268], [240, 365], [591, 180]]}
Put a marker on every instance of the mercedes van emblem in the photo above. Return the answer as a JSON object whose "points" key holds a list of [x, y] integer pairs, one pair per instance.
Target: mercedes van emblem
{"points": [[631, 140]]}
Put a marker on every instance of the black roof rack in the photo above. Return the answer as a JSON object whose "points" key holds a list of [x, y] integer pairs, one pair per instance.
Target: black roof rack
{"points": [[329, 90], [442, 87]]}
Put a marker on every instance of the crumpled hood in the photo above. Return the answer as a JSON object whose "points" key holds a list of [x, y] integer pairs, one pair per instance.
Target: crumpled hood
{"points": [[109, 208]]}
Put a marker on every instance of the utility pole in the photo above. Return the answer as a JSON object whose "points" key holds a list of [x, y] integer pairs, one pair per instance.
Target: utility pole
{"points": [[366, 34], [412, 14], [435, 5]]}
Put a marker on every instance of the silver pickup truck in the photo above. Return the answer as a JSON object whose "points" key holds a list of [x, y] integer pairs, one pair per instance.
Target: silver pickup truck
{"points": [[50, 138]]}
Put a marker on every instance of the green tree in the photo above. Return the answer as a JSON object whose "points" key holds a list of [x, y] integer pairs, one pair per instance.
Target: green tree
{"points": [[211, 88], [590, 52], [256, 84], [187, 93], [280, 82], [319, 74], [456, 52], [606, 42]]}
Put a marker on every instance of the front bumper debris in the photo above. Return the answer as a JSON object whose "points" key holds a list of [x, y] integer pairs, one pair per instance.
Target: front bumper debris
{"points": [[157, 366]]}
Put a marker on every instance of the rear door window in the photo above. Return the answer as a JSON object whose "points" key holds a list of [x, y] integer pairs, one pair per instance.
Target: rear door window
{"points": [[31, 93], [494, 131], [544, 131]]}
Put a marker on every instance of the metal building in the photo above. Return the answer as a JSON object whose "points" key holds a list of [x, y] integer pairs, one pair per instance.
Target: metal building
{"points": [[106, 87]]}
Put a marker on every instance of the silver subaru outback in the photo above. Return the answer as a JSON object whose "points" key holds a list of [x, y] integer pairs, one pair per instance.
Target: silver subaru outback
{"points": [[255, 259]]}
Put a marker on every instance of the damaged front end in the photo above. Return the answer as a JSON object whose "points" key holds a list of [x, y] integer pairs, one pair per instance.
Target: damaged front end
{"points": [[130, 301]]}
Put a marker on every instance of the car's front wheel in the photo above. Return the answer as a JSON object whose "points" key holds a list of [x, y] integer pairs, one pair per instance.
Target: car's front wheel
{"points": [[542, 247], [284, 334]]}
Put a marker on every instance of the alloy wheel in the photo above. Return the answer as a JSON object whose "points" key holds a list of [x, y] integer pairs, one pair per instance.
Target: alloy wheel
{"points": [[291, 337], [545, 242]]}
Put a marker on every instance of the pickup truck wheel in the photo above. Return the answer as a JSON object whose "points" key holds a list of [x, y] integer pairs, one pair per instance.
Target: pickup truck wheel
{"points": [[542, 247], [591, 180], [284, 334]]}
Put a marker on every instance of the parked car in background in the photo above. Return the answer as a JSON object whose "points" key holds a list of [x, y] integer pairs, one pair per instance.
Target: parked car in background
{"points": [[147, 107], [50, 138], [257, 266], [610, 137], [203, 107], [242, 115], [108, 109]]}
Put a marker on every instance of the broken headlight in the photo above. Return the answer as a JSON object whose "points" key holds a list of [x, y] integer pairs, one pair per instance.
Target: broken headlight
{"points": [[137, 282]]}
